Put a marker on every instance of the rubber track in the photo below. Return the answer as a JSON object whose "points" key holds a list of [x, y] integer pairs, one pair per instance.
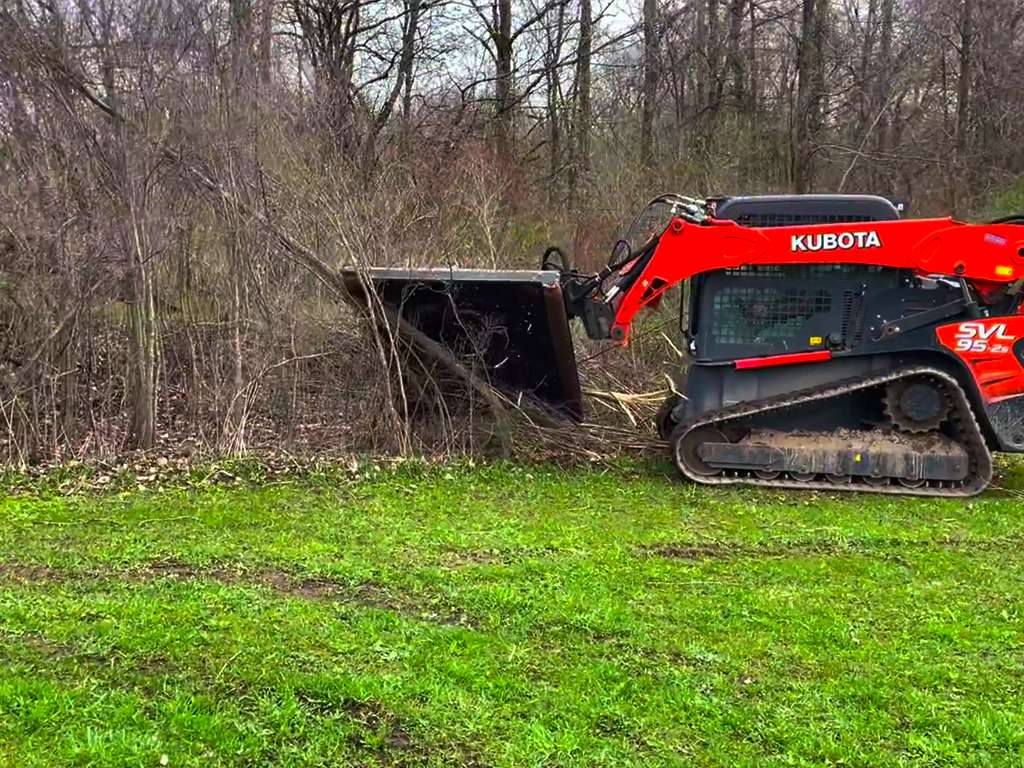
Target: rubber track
{"points": [[979, 457]]}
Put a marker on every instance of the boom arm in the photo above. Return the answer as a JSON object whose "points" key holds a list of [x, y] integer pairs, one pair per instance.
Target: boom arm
{"points": [[979, 253]]}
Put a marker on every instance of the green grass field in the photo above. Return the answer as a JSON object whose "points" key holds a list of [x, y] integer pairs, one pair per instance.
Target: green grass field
{"points": [[511, 616]]}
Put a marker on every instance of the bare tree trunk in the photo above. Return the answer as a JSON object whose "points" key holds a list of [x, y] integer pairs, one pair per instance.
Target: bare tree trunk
{"points": [[402, 82], [234, 431], [503, 96], [581, 144], [810, 87], [752, 60], [714, 55], [266, 39], [143, 334], [331, 34], [554, 135], [962, 171], [736, 68], [650, 87], [699, 86], [241, 35], [68, 383], [132, 193], [408, 61], [677, 67], [883, 95], [552, 76]]}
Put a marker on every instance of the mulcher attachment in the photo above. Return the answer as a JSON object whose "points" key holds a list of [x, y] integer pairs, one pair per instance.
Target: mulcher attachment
{"points": [[510, 327]]}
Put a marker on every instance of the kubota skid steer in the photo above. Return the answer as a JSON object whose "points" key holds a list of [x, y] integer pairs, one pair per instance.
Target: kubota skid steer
{"points": [[831, 343]]}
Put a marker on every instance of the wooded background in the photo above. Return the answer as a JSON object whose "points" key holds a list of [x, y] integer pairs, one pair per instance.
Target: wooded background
{"points": [[163, 162]]}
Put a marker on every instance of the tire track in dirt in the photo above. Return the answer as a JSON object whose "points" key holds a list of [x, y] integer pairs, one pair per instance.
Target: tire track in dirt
{"points": [[283, 583], [881, 546]]}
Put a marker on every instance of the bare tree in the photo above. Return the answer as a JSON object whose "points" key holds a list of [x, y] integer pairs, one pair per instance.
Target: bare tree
{"points": [[583, 117], [735, 54], [650, 83], [963, 100], [810, 92]]}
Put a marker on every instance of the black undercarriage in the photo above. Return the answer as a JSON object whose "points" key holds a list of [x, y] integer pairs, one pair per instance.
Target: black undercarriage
{"points": [[908, 430]]}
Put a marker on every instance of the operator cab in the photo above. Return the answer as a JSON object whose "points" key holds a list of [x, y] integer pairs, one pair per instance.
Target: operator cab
{"points": [[770, 309]]}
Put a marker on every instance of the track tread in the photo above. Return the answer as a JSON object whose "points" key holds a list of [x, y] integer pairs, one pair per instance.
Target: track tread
{"points": [[970, 432]]}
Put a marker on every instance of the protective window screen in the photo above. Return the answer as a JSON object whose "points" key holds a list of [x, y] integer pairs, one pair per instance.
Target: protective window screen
{"points": [[800, 271], [796, 219], [765, 314]]}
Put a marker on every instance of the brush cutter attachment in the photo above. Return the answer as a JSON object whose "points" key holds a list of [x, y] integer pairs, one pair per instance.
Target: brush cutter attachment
{"points": [[510, 327]]}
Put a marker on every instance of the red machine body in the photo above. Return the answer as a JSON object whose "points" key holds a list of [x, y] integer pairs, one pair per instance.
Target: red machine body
{"points": [[985, 254], [872, 353], [987, 348], [989, 257]]}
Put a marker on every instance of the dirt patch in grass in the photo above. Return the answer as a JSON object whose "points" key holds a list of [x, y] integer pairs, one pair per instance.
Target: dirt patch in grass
{"points": [[886, 547], [175, 569], [366, 595], [392, 744], [372, 595], [43, 645], [31, 573], [292, 586], [383, 735], [281, 582], [55, 651], [462, 558], [696, 551], [733, 550], [389, 735]]}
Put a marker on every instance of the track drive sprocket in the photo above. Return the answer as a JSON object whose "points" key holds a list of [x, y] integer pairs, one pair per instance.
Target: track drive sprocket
{"points": [[917, 405]]}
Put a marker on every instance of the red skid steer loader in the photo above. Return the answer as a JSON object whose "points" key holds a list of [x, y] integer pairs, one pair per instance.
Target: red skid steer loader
{"points": [[832, 344]]}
